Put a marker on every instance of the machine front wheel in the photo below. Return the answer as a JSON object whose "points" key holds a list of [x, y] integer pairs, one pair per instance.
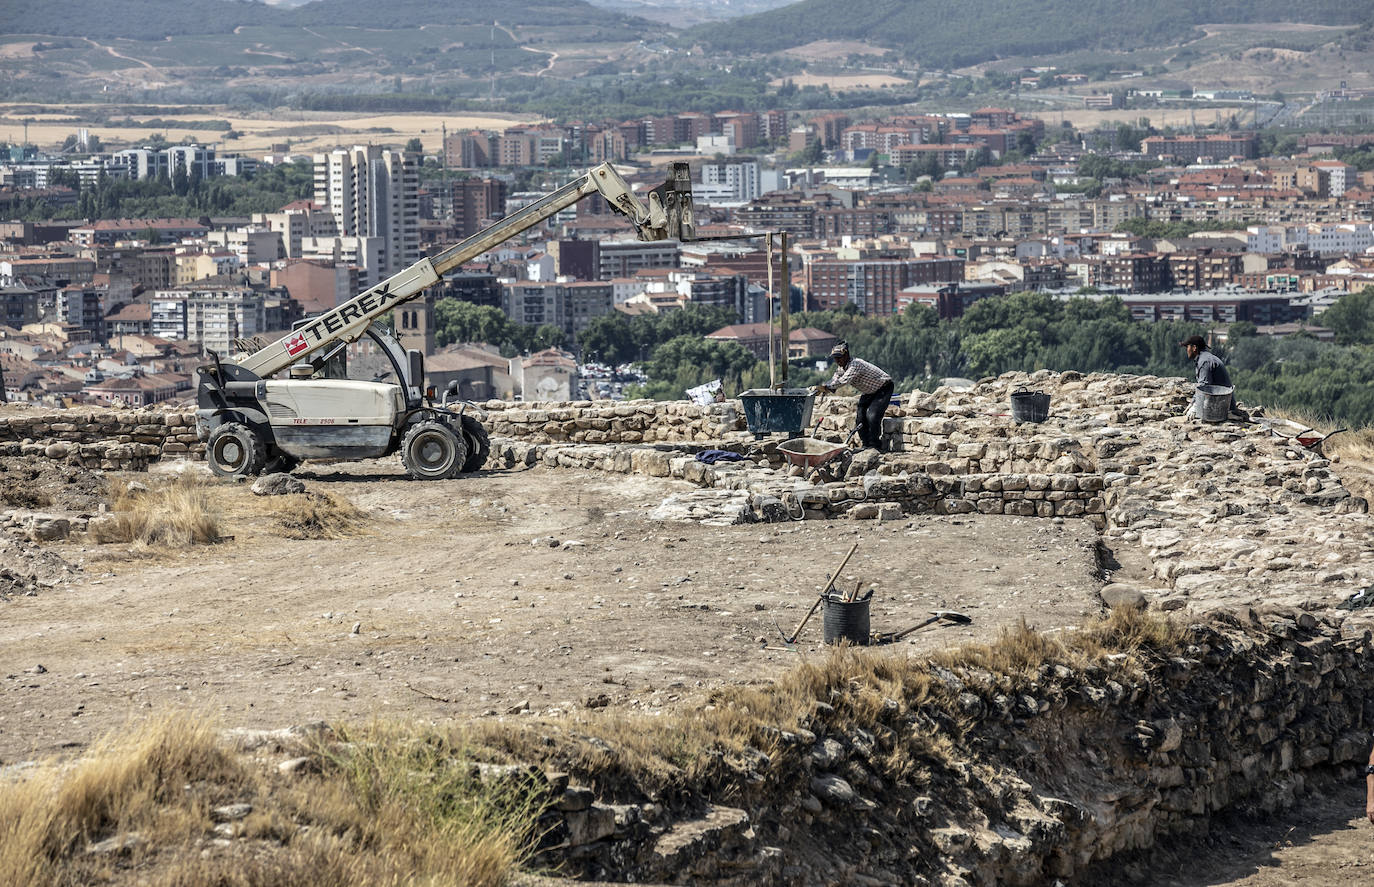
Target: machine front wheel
{"points": [[235, 450], [433, 451]]}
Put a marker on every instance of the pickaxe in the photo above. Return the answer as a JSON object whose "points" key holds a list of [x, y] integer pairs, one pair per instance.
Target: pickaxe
{"points": [[824, 591], [949, 617]]}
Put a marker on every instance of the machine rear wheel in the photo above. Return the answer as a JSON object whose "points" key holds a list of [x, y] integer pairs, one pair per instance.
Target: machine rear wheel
{"points": [[479, 445], [433, 451], [235, 450]]}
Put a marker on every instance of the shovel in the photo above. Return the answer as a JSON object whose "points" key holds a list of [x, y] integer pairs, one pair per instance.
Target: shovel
{"points": [[948, 617], [824, 591]]}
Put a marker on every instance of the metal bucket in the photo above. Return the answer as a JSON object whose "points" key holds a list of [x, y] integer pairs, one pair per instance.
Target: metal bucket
{"points": [[768, 410], [846, 621], [1212, 403], [1029, 406]]}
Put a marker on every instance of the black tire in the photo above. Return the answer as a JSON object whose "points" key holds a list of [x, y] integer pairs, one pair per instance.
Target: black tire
{"points": [[433, 451], [235, 450], [281, 462], [479, 445]]}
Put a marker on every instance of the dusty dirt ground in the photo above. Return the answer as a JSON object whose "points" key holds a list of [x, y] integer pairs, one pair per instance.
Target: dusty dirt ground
{"points": [[454, 603], [463, 607], [1328, 842]]}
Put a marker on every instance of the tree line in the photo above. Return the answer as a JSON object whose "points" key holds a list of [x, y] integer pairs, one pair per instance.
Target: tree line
{"points": [[1025, 332], [177, 196]]}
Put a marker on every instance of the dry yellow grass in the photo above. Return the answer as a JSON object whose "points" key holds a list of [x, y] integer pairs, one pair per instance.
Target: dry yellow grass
{"points": [[171, 515], [844, 82], [314, 515], [388, 807], [405, 805], [862, 687], [140, 784]]}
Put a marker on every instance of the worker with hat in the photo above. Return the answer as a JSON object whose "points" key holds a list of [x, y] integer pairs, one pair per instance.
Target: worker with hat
{"points": [[1210, 368], [874, 387]]}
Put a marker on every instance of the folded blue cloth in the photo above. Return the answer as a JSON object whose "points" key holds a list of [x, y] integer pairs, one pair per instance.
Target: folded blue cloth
{"points": [[711, 457]]}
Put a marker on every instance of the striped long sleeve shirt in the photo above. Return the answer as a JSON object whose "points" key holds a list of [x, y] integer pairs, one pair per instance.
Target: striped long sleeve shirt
{"points": [[862, 375]]}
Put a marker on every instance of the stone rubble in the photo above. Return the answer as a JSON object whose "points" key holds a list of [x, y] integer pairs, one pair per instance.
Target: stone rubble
{"points": [[1227, 514]]}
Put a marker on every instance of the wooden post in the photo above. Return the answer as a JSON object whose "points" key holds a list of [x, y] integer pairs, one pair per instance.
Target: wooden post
{"points": [[772, 352], [786, 295]]}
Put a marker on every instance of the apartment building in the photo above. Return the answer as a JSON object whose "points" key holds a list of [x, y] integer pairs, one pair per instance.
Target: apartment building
{"points": [[1189, 148], [373, 193], [622, 258], [1217, 306], [211, 318], [295, 222], [872, 284]]}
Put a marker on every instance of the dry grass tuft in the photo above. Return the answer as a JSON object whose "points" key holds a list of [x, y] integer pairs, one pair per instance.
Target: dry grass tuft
{"points": [[123, 785], [388, 807], [416, 803], [316, 516], [173, 515]]}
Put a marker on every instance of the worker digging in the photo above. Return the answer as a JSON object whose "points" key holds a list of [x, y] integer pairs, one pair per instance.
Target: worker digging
{"points": [[875, 392]]}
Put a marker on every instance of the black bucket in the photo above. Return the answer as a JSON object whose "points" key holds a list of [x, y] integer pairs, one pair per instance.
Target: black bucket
{"points": [[1029, 406], [846, 621], [767, 410]]}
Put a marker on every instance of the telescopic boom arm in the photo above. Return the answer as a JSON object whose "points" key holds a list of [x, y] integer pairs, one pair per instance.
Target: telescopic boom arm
{"points": [[667, 216]]}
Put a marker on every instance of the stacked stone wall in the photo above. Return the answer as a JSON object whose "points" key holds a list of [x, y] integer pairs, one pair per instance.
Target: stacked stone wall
{"points": [[113, 440], [1056, 774]]}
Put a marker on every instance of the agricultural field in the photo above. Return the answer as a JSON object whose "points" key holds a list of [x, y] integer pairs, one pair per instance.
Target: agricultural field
{"points": [[303, 130]]}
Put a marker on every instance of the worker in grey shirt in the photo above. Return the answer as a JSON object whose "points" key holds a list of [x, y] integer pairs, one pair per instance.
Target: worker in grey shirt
{"points": [[1210, 368], [874, 387]]}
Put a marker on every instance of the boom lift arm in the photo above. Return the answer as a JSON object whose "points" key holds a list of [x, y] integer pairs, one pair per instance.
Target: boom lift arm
{"points": [[667, 216]]}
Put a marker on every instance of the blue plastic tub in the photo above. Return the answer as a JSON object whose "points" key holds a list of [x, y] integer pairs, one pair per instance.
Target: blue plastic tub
{"points": [[768, 411]]}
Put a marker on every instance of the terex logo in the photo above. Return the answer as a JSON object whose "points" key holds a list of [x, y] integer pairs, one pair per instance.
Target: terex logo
{"points": [[296, 344], [364, 307]]}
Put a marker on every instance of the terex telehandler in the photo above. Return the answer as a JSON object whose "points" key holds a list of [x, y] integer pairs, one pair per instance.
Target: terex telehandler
{"points": [[253, 423]]}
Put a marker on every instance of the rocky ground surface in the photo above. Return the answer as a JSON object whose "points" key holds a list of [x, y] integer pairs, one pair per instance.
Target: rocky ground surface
{"points": [[457, 597], [454, 597]]}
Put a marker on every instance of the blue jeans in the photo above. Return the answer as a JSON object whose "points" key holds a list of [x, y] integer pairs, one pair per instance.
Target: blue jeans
{"points": [[870, 415]]}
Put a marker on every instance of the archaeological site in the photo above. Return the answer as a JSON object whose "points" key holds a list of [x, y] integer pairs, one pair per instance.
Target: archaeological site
{"points": [[1117, 645]]}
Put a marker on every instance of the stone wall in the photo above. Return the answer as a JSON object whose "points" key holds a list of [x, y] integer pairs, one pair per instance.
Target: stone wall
{"points": [[125, 440], [1226, 514], [1048, 774]]}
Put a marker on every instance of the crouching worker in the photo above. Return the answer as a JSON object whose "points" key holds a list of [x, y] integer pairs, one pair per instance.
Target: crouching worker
{"points": [[1211, 370], [874, 387]]}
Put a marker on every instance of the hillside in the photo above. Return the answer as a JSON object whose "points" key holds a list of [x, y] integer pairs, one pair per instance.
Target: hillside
{"points": [[945, 33], [154, 19]]}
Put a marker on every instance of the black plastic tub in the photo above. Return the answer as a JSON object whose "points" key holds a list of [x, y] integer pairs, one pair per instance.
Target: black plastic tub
{"points": [[767, 411], [1029, 406], [846, 621]]}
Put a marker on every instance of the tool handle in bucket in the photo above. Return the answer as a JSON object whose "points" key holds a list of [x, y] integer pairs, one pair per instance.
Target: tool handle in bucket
{"points": [[824, 591]]}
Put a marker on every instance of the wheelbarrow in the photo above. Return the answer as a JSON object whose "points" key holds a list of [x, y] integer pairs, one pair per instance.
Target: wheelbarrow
{"points": [[816, 455], [1302, 435]]}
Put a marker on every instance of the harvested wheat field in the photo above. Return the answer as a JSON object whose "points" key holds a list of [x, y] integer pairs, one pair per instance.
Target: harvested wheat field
{"points": [[303, 130]]}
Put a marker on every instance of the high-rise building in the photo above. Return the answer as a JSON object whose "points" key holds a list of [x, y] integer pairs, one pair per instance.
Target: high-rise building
{"points": [[372, 192]]}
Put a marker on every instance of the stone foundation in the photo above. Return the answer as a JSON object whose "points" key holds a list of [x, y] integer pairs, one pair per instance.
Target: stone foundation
{"points": [[1052, 773], [1227, 514]]}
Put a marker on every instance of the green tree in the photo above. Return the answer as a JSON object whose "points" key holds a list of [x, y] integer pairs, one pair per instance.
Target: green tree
{"points": [[459, 321], [1352, 317], [414, 146], [609, 339]]}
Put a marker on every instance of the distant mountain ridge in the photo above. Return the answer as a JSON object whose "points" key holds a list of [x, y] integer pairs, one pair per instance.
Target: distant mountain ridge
{"points": [[154, 19], [945, 33]]}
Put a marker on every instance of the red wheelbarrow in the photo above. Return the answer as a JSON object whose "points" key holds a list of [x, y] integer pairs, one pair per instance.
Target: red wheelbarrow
{"points": [[1303, 435], [818, 455]]}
